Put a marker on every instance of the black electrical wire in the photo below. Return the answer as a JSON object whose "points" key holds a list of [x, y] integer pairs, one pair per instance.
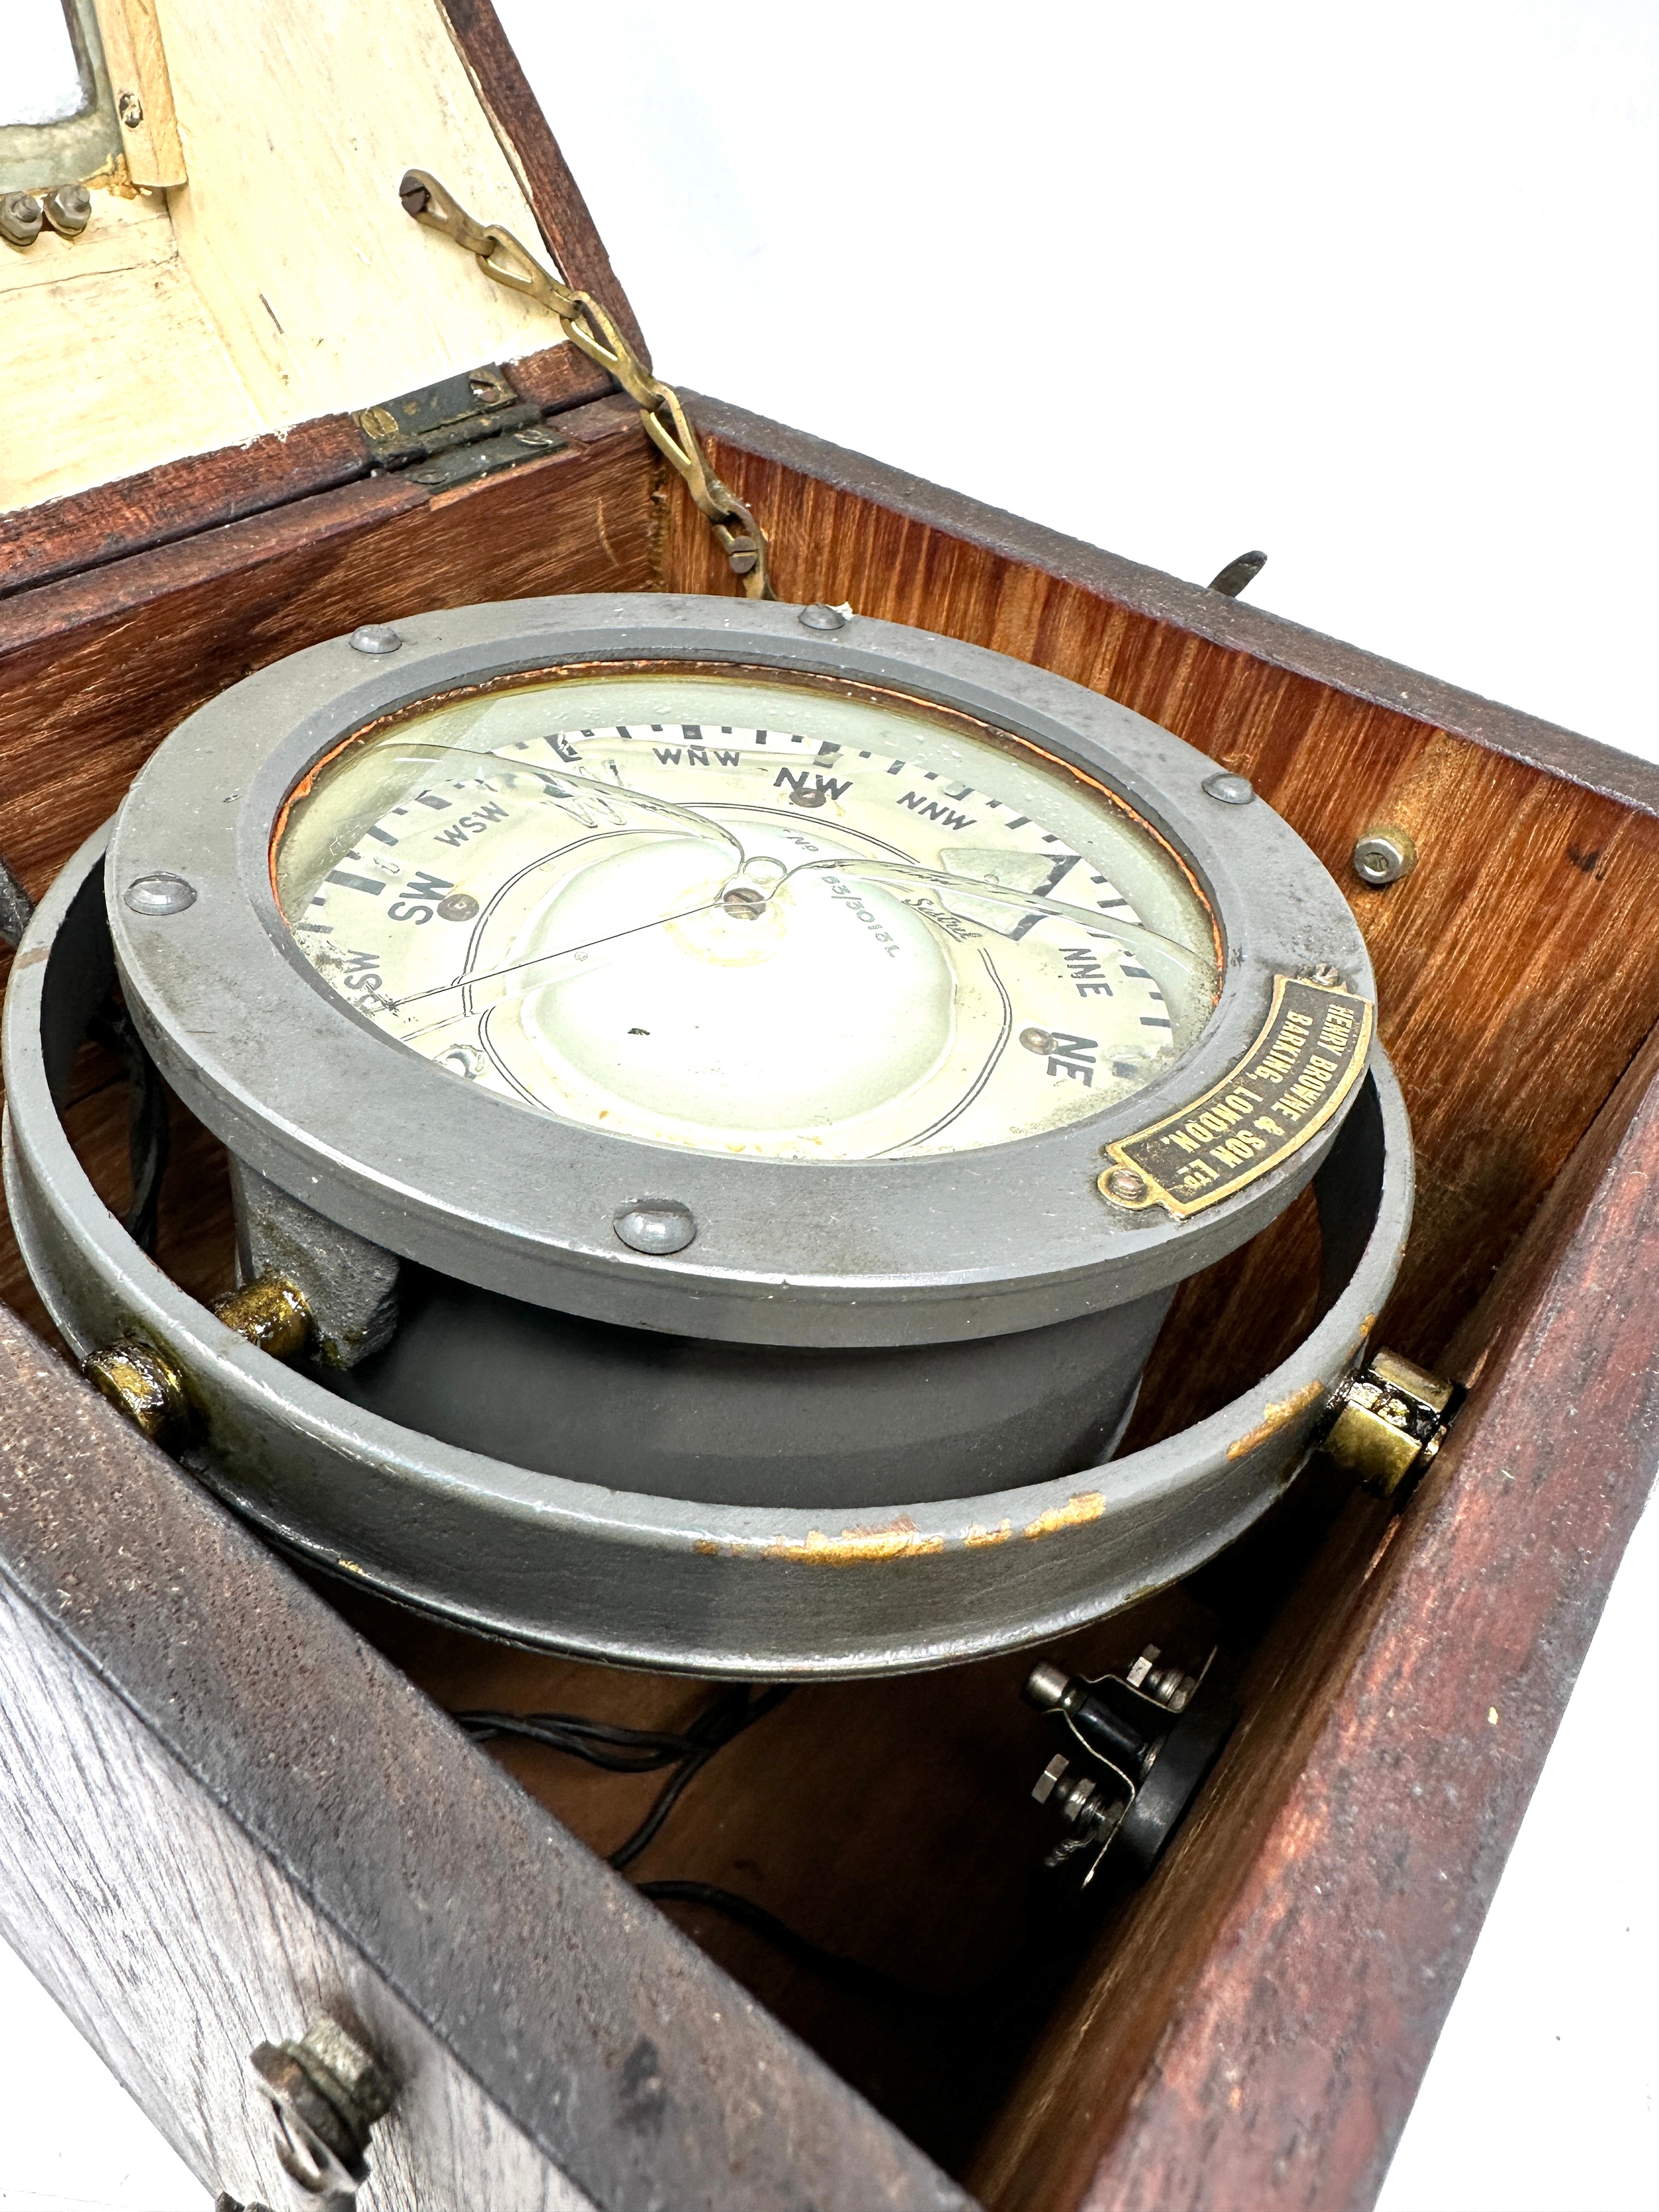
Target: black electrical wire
{"points": [[637, 1751], [111, 1027], [602, 1743]]}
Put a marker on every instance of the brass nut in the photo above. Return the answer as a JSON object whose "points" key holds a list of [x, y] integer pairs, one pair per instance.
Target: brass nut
{"points": [[270, 1312], [1384, 856], [141, 1383]]}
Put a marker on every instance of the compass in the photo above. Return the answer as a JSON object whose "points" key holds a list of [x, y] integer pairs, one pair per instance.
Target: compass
{"points": [[749, 1078], [654, 902]]}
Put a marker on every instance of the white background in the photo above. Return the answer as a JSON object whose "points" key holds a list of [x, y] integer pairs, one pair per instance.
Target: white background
{"points": [[1371, 289]]}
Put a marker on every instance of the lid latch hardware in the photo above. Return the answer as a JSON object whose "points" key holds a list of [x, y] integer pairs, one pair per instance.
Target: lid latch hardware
{"points": [[460, 427]]}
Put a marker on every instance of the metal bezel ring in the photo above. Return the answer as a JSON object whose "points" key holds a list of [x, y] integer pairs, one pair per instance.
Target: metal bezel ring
{"points": [[744, 1591], [955, 1245]]}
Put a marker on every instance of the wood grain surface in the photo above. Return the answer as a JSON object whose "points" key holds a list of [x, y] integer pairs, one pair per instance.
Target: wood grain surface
{"points": [[222, 1811], [201, 492]]}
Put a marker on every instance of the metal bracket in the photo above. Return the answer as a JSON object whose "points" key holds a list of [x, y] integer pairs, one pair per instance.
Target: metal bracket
{"points": [[461, 428], [1393, 1420]]}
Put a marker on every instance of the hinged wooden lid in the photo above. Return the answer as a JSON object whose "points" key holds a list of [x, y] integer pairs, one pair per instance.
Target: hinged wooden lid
{"points": [[200, 351]]}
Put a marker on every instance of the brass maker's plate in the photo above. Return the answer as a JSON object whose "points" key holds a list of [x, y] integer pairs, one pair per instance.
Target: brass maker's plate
{"points": [[1311, 1052]]}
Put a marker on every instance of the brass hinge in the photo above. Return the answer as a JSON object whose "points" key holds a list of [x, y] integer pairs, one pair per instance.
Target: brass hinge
{"points": [[462, 427], [1393, 1420]]}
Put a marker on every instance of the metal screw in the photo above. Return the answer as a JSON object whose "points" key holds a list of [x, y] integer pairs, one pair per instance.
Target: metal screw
{"points": [[413, 195], [1124, 1185], [1229, 790], [535, 436], [1326, 977], [800, 797], [820, 617], [1384, 856], [460, 906], [130, 109], [159, 895], [69, 209], [375, 637], [743, 905], [20, 217], [1036, 1041], [654, 1225]]}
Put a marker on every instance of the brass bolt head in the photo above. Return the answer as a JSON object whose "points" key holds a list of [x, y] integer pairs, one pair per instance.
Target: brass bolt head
{"points": [[270, 1312], [1383, 856], [141, 1383], [1126, 1186]]}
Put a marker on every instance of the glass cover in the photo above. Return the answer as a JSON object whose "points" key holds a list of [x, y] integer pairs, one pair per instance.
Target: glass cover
{"points": [[747, 915]]}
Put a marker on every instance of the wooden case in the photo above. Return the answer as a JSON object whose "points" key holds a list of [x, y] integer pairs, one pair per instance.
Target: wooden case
{"points": [[230, 1798]]}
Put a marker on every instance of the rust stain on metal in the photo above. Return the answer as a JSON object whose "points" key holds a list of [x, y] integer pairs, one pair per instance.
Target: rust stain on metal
{"points": [[856, 1548], [977, 1535], [1277, 1413], [707, 1548], [1087, 1505]]}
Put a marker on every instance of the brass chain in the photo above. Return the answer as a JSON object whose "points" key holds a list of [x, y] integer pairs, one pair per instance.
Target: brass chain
{"points": [[587, 325]]}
